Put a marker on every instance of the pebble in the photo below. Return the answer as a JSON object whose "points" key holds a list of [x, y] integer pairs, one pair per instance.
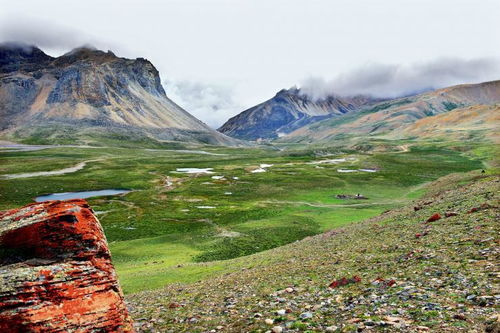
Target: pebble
{"points": [[269, 321], [281, 312], [306, 315], [277, 329], [369, 323]]}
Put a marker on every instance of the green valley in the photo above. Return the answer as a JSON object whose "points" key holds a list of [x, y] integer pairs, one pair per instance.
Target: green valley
{"points": [[251, 199]]}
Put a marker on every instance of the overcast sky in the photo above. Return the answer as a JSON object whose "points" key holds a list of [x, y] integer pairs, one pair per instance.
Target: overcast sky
{"points": [[218, 57]]}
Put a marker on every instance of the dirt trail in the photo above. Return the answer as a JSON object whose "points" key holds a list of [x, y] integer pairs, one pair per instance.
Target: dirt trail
{"points": [[221, 231], [320, 205], [404, 148], [72, 169]]}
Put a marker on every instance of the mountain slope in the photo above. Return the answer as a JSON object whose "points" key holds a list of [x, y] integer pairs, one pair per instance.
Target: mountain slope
{"points": [[392, 117], [402, 274], [90, 91], [288, 110], [460, 123]]}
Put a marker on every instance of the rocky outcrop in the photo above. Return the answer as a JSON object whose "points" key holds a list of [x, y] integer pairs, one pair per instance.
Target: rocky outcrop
{"points": [[56, 273]]}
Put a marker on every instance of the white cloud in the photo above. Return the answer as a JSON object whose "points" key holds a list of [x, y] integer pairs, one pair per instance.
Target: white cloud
{"points": [[53, 38], [383, 80], [211, 103]]}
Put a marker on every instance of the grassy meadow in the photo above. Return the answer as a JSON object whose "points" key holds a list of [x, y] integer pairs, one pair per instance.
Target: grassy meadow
{"points": [[172, 224]]}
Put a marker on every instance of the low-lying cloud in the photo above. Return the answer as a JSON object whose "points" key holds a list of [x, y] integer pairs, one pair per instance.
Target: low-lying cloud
{"points": [[211, 103], [382, 80], [46, 35]]}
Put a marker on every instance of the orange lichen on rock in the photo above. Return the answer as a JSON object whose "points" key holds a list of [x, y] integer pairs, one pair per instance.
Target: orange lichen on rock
{"points": [[56, 272]]}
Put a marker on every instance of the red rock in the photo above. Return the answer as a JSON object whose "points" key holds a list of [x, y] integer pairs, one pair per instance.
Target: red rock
{"points": [[382, 283], [459, 316], [421, 234], [450, 214], [58, 275], [484, 205], [434, 217], [174, 305], [344, 281]]}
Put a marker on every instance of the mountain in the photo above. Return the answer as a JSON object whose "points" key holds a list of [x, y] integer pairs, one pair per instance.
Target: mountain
{"points": [[287, 111], [410, 116], [88, 93]]}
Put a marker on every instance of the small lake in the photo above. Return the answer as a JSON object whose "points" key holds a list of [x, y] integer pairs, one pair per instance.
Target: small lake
{"points": [[79, 195]]}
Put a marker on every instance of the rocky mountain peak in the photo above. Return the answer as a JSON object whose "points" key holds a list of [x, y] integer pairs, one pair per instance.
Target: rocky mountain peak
{"points": [[85, 54], [89, 88], [293, 91], [16, 56], [288, 110]]}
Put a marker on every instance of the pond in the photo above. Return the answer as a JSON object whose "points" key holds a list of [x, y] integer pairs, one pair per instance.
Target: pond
{"points": [[79, 195]]}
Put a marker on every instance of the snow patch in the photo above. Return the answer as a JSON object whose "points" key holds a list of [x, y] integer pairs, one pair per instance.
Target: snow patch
{"points": [[368, 170], [346, 170], [194, 170], [330, 161]]}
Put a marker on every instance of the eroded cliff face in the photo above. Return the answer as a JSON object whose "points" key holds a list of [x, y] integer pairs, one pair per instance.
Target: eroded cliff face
{"points": [[56, 273], [89, 93]]}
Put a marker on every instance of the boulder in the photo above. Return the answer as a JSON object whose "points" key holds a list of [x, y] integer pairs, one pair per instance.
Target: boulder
{"points": [[56, 273], [434, 218]]}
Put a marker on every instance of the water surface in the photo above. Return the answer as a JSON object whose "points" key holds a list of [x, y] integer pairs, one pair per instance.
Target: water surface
{"points": [[79, 195]]}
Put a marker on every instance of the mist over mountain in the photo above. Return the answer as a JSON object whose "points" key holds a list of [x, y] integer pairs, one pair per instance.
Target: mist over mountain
{"points": [[398, 80], [213, 103]]}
